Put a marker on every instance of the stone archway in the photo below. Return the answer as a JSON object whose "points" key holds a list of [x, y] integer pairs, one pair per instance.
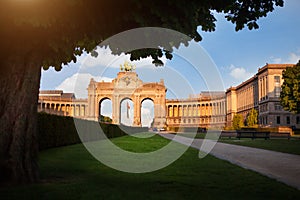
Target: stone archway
{"points": [[128, 85]]}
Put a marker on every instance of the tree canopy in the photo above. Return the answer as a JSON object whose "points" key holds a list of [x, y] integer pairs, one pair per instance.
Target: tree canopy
{"points": [[290, 89], [47, 33], [58, 30]]}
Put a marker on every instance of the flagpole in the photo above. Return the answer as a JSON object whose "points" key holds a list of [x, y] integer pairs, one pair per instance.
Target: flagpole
{"points": [[128, 107]]}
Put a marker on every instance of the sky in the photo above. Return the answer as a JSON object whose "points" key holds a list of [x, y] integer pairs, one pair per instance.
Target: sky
{"points": [[222, 59], [238, 55]]}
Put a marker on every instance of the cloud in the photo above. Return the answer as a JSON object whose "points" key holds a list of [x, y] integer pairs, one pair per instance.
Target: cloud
{"points": [[239, 73], [106, 58], [78, 84], [292, 58], [276, 60], [147, 117]]}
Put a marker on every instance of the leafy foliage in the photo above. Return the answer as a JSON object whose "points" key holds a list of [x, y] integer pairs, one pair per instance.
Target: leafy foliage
{"points": [[45, 33], [105, 119], [53, 32], [237, 121], [290, 89], [252, 117]]}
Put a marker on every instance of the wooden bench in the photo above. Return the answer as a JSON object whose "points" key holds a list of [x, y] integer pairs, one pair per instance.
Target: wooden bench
{"points": [[253, 135], [228, 134], [281, 135]]}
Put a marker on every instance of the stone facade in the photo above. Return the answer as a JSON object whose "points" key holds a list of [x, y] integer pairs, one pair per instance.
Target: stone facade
{"points": [[127, 85], [261, 92], [59, 103], [206, 110]]}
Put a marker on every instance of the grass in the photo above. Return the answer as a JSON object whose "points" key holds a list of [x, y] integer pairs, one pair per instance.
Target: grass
{"points": [[72, 173], [192, 135], [291, 146]]}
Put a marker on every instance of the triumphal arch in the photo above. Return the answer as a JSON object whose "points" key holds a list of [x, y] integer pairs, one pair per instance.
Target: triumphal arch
{"points": [[127, 85]]}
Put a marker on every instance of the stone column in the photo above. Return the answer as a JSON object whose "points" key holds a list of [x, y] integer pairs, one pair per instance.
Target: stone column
{"points": [[115, 109], [58, 109], [175, 112], [91, 104], [180, 109], [137, 111]]}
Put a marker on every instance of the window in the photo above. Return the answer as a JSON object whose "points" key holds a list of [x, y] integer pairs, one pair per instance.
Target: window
{"points": [[277, 79], [277, 90], [278, 120], [278, 106], [288, 120], [297, 120]]}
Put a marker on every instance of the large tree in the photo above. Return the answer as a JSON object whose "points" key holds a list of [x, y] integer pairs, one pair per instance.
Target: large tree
{"points": [[290, 89], [44, 33]]}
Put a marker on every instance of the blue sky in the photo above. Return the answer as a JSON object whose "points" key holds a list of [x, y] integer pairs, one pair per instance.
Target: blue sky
{"points": [[236, 55]]}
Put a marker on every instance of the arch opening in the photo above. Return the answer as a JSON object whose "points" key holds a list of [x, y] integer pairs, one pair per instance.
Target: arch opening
{"points": [[127, 112], [105, 110], [147, 113]]}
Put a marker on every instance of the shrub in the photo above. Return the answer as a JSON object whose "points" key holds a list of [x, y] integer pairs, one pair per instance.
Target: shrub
{"points": [[237, 122], [55, 131]]}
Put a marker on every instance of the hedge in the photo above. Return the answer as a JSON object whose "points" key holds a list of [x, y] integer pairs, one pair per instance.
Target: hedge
{"points": [[187, 129], [56, 131]]}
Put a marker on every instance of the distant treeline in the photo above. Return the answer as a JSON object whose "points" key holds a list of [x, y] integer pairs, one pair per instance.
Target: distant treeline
{"points": [[56, 131]]}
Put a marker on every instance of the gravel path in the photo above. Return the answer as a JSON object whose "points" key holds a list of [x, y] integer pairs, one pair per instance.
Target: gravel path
{"points": [[280, 166]]}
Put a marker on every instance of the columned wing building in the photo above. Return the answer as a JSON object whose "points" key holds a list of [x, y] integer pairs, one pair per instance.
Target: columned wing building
{"points": [[261, 92], [205, 110]]}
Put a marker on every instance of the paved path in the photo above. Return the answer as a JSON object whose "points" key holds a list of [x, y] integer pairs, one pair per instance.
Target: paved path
{"points": [[280, 166]]}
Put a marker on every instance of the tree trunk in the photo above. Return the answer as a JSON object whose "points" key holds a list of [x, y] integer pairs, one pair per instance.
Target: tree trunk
{"points": [[19, 87]]}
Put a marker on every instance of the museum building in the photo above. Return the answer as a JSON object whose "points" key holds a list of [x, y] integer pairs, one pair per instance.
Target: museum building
{"points": [[207, 109], [261, 92]]}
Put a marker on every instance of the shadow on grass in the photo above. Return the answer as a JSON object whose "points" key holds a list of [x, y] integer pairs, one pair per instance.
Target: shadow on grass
{"points": [[72, 173]]}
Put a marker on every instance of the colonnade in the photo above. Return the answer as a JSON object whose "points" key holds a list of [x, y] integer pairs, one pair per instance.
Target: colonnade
{"points": [[195, 114], [72, 109], [187, 110]]}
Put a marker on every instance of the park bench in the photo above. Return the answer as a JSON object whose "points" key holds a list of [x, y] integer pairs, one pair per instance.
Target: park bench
{"points": [[228, 134], [281, 135], [253, 134]]}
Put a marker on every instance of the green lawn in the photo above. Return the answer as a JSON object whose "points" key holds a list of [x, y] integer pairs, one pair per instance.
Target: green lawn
{"points": [[275, 144], [282, 145], [192, 135], [72, 173]]}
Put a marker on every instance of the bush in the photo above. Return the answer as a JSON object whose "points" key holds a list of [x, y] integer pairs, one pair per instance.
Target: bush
{"points": [[55, 131], [187, 129], [237, 122]]}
